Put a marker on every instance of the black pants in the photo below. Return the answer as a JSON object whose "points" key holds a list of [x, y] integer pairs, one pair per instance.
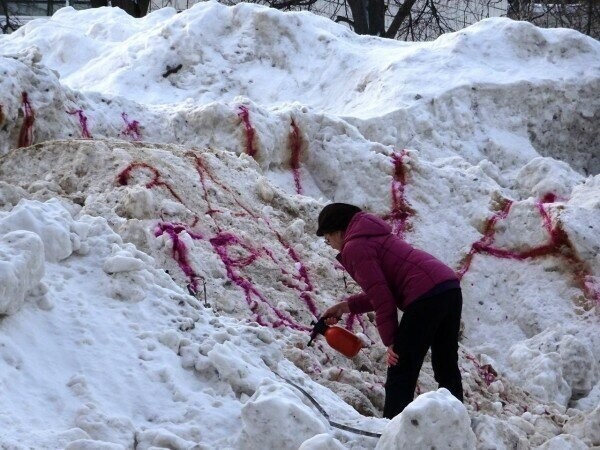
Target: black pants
{"points": [[430, 322]]}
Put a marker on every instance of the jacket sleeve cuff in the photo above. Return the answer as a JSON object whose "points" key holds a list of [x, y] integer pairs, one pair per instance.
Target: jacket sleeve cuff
{"points": [[359, 304]]}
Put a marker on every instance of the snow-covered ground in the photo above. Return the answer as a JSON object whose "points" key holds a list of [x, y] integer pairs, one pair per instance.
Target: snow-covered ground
{"points": [[160, 180]]}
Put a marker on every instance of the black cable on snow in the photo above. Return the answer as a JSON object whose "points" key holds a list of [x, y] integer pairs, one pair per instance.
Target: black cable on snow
{"points": [[324, 413]]}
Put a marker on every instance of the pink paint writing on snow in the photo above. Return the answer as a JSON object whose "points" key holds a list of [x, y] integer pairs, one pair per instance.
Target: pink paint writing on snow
{"points": [[302, 282], [83, 123], [26, 132], [156, 180], [255, 299], [295, 151], [486, 371], [244, 115], [558, 245], [132, 128], [401, 209], [180, 251], [483, 244]]}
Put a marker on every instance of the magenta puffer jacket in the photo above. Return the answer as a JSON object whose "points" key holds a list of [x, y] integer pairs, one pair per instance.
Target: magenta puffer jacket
{"points": [[391, 273]]}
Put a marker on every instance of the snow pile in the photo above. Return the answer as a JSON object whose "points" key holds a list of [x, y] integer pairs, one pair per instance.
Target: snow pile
{"points": [[269, 405], [433, 420], [119, 356], [21, 268], [159, 190]]}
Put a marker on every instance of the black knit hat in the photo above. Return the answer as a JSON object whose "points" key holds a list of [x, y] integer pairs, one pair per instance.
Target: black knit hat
{"points": [[336, 217]]}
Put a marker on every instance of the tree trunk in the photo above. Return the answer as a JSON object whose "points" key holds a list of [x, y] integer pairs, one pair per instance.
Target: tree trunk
{"points": [[376, 17], [399, 18], [588, 30], [359, 16]]}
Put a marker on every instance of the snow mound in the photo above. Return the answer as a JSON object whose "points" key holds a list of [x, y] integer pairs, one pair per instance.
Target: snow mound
{"points": [[170, 170], [433, 420], [278, 407], [21, 268], [50, 221]]}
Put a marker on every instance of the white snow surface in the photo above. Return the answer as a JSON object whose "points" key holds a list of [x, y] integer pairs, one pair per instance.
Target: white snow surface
{"points": [[146, 160]]}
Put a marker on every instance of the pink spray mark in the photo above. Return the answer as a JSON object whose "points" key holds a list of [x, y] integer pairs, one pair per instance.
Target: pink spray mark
{"points": [[300, 282], [401, 209], [486, 371], [180, 251], [125, 175], [254, 298], [558, 245], [132, 128], [83, 123], [295, 150], [591, 289], [26, 132], [483, 244], [244, 115]]}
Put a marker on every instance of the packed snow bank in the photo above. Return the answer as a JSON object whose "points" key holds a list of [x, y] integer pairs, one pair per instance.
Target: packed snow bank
{"points": [[230, 158], [500, 90], [210, 217], [119, 356], [217, 52]]}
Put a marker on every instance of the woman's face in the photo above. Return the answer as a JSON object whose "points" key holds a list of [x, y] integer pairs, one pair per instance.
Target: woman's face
{"points": [[335, 239]]}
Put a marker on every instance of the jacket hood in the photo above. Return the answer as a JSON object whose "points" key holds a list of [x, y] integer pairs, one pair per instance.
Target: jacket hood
{"points": [[366, 225]]}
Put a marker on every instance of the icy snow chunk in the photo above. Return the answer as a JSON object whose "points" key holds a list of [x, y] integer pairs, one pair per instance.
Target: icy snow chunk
{"points": [[491, 432], [90, 444], [322, 442], [592, 400], [541, 176], [50, 221], [161, 438], [21, 268], [585, 426], [122, 261], [554, 363], [275, 417], [103, 427], [433, 420], [540, 373], [563, 442], [138, 203]]}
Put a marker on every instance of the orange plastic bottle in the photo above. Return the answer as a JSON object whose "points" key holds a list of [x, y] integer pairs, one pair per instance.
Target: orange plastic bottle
{"points": [[338, 338]]}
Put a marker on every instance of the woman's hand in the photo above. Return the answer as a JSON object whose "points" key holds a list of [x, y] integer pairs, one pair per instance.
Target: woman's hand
{"points": [[392, 356], [334, 313]]}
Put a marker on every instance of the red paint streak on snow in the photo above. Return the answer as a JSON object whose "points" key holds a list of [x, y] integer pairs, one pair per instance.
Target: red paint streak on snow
{"points": [[486, 240], [592, 289], [486, 371], [85, 132], [180, 251], [26, 132], [302, 284], [132, 129], [351, 322], [295, 150], [558, 245], [244, 115], [401, 209], [338, 377], [1, 115], [125, 175], [254, 298]]}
